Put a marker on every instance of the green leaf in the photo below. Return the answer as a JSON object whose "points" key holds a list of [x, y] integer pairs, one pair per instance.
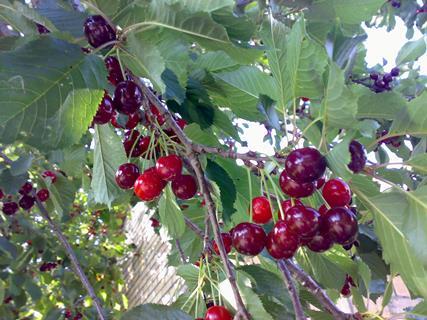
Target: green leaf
{"points": [[108, 156], [388, 293], [2, 290], [339, 158], [170, 214], [21, 166], [9, 183], [196, 134], [419, 163], [411, 120], [62, 194], [203, 6], [240, 28], [155, 311], [339, 106], [8, 247], [34, 290], [226, 186], [190, 273], [411, 51], [11, 13], [45, 93], [215, 61]]}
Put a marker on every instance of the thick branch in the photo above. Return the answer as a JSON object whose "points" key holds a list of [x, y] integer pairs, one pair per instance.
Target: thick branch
{"points": [[204, 188], [74, 261], [314, 288], [299, 312]]}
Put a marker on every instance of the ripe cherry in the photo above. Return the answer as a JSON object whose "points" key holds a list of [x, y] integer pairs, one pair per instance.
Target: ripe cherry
{"points": [[302, 221], [26, 188], [261, 210], [320, 183], [321, 242], [1, 194], [115, 75], [132, 121], [98, 31], [10, 208], [127, 97], [105, 110], [149, 185], [281, 242], [218, 313], [305, 99], [322, 209], [184, 187], [155, 223], [358, 156], [293, 188], [169, 167], [286, 205], [395, 72], [336, 193], [126, 175], [340, 224], [248, 238], [134, 144], [26, 202], [226, 239], [68, 314], [50, 175], [157, 115], [181, 123], [41, 29], [305, 165], [345, 290], [43, 195]]}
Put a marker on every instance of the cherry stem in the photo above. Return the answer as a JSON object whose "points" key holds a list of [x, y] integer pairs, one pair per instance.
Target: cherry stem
{"points": [[204, 188], [73, 258], [299, 312]]}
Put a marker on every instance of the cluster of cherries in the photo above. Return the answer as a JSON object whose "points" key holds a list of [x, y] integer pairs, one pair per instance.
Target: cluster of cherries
{"points": [[26, 200], [393, 141], [382, 82], [48, 266], [68, 314], [395, 3]]}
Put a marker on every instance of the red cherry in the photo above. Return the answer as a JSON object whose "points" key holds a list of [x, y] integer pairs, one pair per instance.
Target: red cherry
{"points": [[68, 314], [218, 313], [135, 143], [286, 205], [293, 188], [281, 242], [43, 195], [169, 167], [226, 239], [1, 194], [305, 165], [126, 175], [303, 221], [115, 75], [184, 187], [248, 238], [41, 29], [10, 208], [341, 225], [149, 185], [132, 121], [358, 156], [181, 123], [26, 202], [158, 116], [345, 290], [49, 175], [127, 97], [26, 188], [323, 209], [155, 223], [336, 193], [98, 31], [305, 99], [321, 242], [261, 210], [105, 110]]}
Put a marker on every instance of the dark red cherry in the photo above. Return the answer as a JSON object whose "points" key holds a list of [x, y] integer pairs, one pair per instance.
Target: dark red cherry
{"points": [[26, 202], [127, 97], [320, 183], [105, 110], [226, 239], [305, 99], [358, 156], [157, 115], [1, 194], [323, 209], [295, 189], [132, 120], [98, 31], [115, 75], [41, 29], [50, 175], [281, 242], [10, 208], [136, 146], [286, 205], [395, 72], [155, 223], [341, 225], [26, 188], [248, 238], [336, 193], [184, 187], [261, 210], [345, 290], [43, 195], [305, 165], [218, 313], [181, 123], [126, 175], [302, 221], [321, 242], [169, 167], [149, 185]]}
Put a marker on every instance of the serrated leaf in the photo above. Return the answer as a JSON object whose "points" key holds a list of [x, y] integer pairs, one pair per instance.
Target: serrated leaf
{"points": [[190, 273], [215, 61], [40, 86], [155, 311], [411, 51], [171, 215], [108, 156], [196, 134]]}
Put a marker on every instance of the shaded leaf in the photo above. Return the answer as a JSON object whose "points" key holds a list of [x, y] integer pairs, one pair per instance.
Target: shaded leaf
{"points": [[155, 311], [170, 214], [411, 51]]}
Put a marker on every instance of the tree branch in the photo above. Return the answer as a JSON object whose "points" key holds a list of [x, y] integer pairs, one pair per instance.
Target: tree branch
{"points": [[299, 312], [314, 288], [74, 261], [204, 188]]}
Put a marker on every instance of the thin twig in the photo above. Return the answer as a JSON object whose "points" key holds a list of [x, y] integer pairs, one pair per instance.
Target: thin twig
{"points": [[299, 312], [313, 287], [204, 189], [74, 261], [181, 252]]}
